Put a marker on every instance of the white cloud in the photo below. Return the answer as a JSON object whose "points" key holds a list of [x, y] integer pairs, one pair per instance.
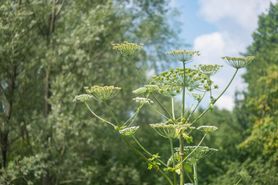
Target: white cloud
{"points": [[235, 20], [210, 45], [242, 12]]}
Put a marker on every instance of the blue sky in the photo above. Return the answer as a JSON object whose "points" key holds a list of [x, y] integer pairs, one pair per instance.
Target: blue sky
{"points": [[219, 28], [191, 23]]}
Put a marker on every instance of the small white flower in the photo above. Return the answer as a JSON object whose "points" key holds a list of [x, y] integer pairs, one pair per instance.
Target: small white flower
{"points": [[183, 55], [127, 47], [207, 129], [82, 97], [239, 62], [129, 131], [143, 100], [103, 92], [209, 69]]}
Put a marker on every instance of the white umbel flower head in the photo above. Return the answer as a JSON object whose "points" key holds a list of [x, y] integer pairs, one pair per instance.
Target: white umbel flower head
{"points": [[207, 129], [169, 130], [209, 69], [146, 89], [103, 92], [127, 48], [183, 55], [143, 100], [239, 62], [82, 97], [129, 131]]}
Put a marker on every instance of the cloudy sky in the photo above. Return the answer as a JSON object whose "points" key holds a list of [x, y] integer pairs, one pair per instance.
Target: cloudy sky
{"points": [[220, 28]]}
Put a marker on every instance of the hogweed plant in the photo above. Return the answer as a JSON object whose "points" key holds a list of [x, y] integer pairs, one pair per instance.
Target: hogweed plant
{"points": [[194, 82]]}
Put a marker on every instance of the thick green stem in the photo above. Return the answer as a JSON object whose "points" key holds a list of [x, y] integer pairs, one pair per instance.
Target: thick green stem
{"points": [[195, 174], [181, 159], [171, 141], [183, 91], [174, 164], [181, 142], [173, 108]]}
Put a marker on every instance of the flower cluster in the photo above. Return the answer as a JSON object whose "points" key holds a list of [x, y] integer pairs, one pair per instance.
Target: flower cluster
{"points": [[183, 55], [207, 129], [127, 47], [184, 52], [153, 162], [170, 130], [128, 131], [197, 97], [143, 100], [146, 89], [209, 69], [239, 62], [103, 92], [82, 97], [171, 82]]}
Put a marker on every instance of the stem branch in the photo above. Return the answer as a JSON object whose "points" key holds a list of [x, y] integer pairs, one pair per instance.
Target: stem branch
{"points": [[100, 118], [228, 85]]}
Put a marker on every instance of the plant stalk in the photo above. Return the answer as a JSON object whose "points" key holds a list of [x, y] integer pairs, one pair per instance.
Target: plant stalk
{"points": [[97, 116], [174, 164], [181, 142], [182, 160], [195, 174], [173, 108], [183, 91]]}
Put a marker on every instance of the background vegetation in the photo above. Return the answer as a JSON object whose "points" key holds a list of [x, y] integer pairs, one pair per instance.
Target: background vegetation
{"points": [[50, 49]]}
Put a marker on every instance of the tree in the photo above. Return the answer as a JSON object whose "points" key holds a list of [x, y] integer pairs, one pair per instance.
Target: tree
{"points": [[47, 48], [258, 110]]}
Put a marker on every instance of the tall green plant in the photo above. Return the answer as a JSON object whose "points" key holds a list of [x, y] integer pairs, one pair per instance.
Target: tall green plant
{"points": [[190, 82]]}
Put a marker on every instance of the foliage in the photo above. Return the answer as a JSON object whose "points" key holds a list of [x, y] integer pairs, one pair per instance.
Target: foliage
{"points": [[257, 111], [26, 170], [46, 49]]}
